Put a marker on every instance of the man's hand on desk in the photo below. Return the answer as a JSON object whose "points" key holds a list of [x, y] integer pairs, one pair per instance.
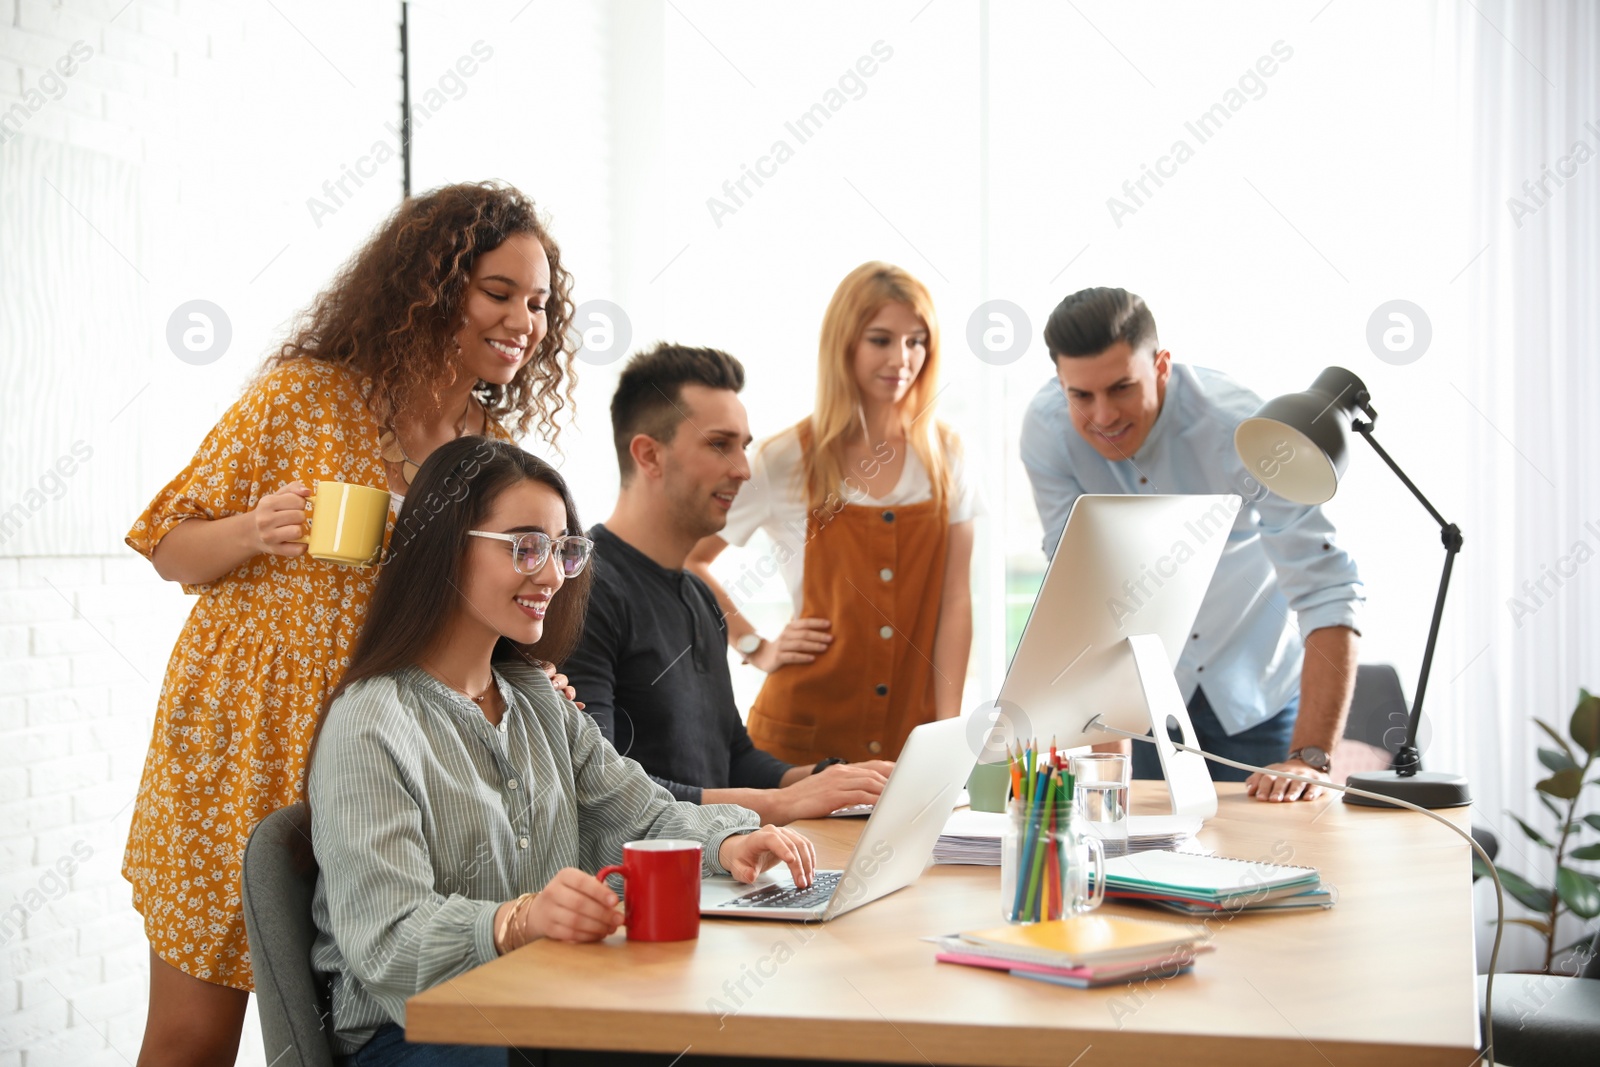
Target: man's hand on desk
{"points": [[747, 855], [1270, 787]]}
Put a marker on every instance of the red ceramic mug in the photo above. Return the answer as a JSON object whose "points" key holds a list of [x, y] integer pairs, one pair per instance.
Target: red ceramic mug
{"points": [[661, 898]]}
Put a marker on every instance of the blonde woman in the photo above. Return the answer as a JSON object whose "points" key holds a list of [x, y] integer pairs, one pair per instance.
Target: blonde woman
{"points": [[870, 516]]}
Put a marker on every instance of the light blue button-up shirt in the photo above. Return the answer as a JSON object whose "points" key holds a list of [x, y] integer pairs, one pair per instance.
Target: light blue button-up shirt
{"points": [[1244, 647]]}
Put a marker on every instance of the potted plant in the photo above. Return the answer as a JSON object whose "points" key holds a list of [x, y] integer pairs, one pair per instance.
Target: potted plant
{"points": [[1575, 891]]}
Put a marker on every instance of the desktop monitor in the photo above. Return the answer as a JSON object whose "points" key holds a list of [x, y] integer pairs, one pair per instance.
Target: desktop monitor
{"points": [[1116, 607]]}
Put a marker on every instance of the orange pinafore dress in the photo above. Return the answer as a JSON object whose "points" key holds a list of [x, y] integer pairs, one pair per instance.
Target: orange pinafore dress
{"points": [[877, 574]]}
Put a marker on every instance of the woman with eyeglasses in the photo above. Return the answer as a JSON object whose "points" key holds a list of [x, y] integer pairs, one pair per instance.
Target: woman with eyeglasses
{"points": [[459, 804], [451, 321]]}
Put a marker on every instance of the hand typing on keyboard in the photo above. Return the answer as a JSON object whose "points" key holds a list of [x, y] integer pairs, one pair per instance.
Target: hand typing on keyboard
{"points": [[746, 855], [784, 896], [813, 796]]}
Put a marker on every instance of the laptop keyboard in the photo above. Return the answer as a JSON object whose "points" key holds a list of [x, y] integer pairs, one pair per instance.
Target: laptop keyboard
{"points": [[786, 896]]}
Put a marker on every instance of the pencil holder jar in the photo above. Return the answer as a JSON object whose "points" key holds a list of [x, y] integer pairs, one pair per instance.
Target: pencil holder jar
{"points": [[1047, 869]]}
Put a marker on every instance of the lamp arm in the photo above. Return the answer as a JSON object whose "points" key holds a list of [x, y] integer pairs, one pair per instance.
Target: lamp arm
{"points": [[1365, 430], [1408, 761]]}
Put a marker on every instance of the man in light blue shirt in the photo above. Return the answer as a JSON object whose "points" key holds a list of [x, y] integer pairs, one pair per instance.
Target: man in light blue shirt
{"points": [[1271, 663]]}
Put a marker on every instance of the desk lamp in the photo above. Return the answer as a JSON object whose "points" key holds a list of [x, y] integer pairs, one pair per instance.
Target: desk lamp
{"points": [[1298, 446]]}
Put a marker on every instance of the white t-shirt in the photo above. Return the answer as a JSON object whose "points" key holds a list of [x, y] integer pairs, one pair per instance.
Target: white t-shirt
{"points": [[774, 500]]}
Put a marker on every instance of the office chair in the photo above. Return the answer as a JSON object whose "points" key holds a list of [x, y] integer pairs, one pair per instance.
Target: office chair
{"points": [[292, 998], [1546, 1020], [1374, 729], [1378, 710]]}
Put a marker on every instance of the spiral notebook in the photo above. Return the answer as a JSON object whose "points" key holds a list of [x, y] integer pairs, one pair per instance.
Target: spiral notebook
{"points": [[1216, 881]]}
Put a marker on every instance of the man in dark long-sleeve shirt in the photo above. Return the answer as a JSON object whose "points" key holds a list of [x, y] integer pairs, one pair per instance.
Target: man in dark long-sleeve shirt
{"points": [[652, 667], [654, 677]]}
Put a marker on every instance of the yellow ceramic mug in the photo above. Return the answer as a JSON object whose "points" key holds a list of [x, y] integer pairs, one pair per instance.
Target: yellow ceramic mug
{"points": [[346, 523]]}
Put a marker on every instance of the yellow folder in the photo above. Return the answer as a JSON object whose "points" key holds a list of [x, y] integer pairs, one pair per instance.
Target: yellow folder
{"points": [[1085, 939]]}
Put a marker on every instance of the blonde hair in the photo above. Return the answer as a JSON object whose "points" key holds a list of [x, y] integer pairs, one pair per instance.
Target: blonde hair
{"points": [[839, 413]]}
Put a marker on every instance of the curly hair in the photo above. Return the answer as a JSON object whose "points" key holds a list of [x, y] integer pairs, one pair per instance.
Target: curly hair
{"points": [[392, 312]]}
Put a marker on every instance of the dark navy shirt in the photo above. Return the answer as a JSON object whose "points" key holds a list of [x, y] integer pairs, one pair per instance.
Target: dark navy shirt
{"points": [[652, 669]]}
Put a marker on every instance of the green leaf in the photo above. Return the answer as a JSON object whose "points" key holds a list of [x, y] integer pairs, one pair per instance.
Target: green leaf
{"points": [[1556, 761], [1580, 944], [1578, 893], [1585, 726], [1562, 784], [1533, 835], [1528, 896], [1479, 868], [1537, 924], [1593, 820], [1557, 738], [1587, 852], [1549, 805]]}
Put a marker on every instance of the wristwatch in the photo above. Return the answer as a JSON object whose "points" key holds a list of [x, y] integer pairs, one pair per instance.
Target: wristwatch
{"points": [[823, 765], [1314, 757], [748, 645]]}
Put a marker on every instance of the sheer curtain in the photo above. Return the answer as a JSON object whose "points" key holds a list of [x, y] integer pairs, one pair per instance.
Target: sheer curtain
{"points": [[1528, 622]]}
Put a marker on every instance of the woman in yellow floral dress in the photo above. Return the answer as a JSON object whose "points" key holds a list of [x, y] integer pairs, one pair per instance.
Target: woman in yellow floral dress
{"points": [[452, 320]]}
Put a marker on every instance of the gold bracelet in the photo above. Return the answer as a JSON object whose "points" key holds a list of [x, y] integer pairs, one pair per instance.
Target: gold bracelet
{"points": [[516, 916], [505, 924]]}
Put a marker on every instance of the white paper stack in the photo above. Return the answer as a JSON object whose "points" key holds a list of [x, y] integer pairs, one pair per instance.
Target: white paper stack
{"points": [[974, 836]]}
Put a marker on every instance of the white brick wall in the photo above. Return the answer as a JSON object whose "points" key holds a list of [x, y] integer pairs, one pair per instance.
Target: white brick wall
{"points": [[74, 723], [196, 103]]}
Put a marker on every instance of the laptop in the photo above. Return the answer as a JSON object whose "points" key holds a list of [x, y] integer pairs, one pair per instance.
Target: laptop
{"points": [[894, 847]]}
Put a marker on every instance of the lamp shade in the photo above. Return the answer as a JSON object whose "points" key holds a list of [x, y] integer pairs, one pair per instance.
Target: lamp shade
{"points": [[1298, 445]]}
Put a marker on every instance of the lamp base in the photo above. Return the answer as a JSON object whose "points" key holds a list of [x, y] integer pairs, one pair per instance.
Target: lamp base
{"points": [[1426, 789]]}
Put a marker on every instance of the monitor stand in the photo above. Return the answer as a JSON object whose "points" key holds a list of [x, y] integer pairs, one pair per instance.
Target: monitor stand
{"points": [[1188, 782]]}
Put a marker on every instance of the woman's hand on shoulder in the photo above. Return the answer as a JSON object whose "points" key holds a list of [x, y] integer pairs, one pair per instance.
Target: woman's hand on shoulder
{"points": [[559, 680]]}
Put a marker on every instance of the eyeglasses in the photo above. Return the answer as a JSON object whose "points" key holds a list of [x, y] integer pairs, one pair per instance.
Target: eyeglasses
{"points": [[529, 551]]}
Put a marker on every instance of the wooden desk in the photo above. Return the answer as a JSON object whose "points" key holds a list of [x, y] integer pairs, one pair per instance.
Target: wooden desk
{"points": [[1385, 977]]}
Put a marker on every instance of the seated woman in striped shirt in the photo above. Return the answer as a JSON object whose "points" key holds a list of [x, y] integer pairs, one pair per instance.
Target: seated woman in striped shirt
{"points": [[450, 777]]}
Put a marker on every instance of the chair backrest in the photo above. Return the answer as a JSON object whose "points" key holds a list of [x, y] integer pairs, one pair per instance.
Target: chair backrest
{"points": [[1378, 709], [296, 1021]]}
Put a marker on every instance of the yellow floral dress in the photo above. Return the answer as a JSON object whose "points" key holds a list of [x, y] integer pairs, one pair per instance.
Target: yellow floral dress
{"points": [[261, 648]]}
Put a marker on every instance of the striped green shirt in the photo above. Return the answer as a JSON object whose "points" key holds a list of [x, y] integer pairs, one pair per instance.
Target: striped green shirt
{"points": [[425, 817]]}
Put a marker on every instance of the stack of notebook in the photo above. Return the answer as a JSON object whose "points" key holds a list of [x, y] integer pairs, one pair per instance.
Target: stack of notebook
{"points": [[974, 836], [1203, 885], [1081, 952]]}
